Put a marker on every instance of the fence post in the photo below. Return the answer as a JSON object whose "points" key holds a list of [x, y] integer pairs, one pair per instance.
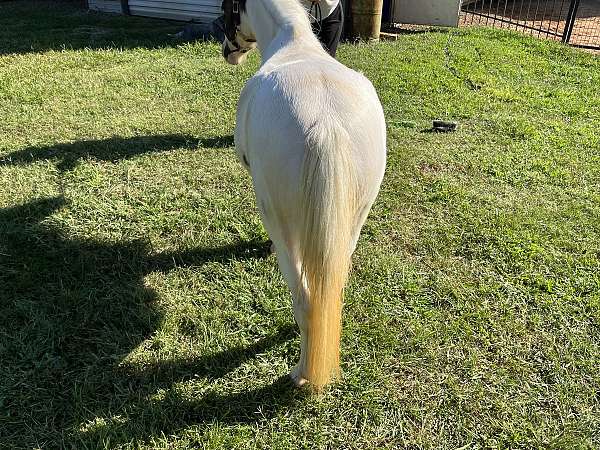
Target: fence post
{"points": [[570, 23]]}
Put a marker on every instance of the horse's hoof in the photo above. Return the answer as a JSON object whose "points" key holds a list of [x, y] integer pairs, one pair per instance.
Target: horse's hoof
{"points": [[297, 378]]}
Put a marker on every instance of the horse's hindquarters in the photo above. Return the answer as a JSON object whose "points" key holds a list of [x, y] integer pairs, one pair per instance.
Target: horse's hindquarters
{"points": [[281, 112]]}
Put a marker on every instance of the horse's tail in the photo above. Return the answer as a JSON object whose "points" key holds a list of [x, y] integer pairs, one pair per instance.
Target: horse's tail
{"points": [[329, 210]]}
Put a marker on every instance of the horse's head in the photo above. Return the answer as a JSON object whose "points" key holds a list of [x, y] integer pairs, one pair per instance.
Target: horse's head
{"points": [[239, 38]]}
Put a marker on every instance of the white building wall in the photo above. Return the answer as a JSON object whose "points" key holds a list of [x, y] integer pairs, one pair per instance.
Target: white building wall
{"points": [[184, 10]]}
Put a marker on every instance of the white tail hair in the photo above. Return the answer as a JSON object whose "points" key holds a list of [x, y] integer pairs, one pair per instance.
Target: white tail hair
{"points": [[330, 206]]}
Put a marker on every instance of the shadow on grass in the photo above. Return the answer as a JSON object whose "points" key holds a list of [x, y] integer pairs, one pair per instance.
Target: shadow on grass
{"points": [[28, 26], [71, 310], [414, 29], [67, 155]]}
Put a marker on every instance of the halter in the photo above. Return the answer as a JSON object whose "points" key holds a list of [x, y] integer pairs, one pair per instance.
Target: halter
{"points": [[231, 11], [232, 21]]}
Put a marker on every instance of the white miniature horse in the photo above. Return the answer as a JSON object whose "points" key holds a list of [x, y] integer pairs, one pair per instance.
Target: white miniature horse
{"points": [[311, 132]]}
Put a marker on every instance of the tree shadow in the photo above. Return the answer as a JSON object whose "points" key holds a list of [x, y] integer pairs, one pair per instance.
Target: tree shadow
{"points": [[67, 155], [71, 310], [28, 26], [176, 412]]}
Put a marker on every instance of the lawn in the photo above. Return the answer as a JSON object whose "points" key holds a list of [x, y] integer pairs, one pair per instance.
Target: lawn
{"points": [[139, 307]]}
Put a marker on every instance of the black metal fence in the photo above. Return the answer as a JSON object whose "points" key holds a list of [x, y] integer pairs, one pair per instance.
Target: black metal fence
{"points": [[576, 22]]}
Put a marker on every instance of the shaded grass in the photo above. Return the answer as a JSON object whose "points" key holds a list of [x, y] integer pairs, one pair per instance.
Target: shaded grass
{"points": [[38, 26], [138, 305]]}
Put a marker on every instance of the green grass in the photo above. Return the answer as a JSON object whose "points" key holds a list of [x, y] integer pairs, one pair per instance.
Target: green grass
{"points": [[139, 307]]}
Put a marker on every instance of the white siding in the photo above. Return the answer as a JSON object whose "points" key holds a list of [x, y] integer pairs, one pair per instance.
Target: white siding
{"points": [[198, 10], [184, 10]]}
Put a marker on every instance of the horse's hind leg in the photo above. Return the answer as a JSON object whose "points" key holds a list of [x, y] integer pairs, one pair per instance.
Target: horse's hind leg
{"points": [[289, 265], [290, 268], [361, 218]]}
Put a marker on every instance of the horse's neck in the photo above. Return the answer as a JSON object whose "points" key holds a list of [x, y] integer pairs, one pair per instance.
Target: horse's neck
{"points": [[279, 23]]}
